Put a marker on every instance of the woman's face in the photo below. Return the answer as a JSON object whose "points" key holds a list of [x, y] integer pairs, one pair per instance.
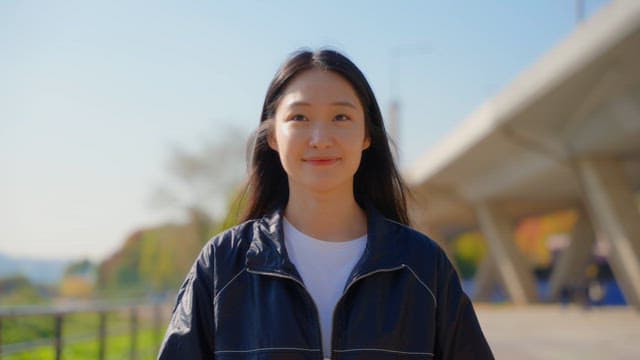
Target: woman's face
{"points": [[319, 132]]}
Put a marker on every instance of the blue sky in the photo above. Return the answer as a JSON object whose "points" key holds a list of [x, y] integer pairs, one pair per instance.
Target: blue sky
{"points": [[93, 95]]}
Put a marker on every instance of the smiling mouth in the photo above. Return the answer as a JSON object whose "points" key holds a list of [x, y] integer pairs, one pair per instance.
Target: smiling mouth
{"points": [[321, 161]]}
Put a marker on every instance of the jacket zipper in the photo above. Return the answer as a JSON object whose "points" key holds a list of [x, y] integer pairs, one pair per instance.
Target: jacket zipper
{"points": [[356, 279], [315, 307]]}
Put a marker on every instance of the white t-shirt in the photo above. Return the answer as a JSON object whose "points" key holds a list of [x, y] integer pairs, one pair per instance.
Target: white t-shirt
{"points": [[324, 267]]}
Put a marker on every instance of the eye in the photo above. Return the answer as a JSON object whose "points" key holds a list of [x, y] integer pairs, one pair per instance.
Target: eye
{"points": [[297, 117], [342, 117]]}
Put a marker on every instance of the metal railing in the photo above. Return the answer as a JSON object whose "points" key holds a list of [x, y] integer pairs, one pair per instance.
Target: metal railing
{"points": [[153, 310]]}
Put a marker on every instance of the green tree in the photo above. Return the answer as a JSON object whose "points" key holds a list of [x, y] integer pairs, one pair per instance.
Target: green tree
{"points": [[18, 290]]}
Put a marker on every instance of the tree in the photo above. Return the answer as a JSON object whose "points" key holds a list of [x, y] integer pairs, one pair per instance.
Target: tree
{"points": [[18, 290], [202, 179], [80, 267], [156, 258]]}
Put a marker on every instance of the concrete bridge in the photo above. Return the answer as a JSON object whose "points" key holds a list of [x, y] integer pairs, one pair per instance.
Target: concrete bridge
{"points": [[564, 134]]}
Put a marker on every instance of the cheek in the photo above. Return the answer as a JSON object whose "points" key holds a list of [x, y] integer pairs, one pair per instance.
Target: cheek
{"points": [[354, 139], [290, 145], [284, 132], [283, 138]]}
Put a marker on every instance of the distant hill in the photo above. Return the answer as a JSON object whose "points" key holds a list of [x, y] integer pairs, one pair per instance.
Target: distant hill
{"points": [[36, 270], [156, 258]]}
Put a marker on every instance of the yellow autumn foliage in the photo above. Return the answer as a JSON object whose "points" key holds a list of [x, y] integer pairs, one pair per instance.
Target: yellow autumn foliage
{"points": [[470, 246], [531, 234], [76, 286]]}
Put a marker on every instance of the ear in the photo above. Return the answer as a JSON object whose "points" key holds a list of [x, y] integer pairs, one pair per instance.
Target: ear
{"points": [[271, 140], [366, 143]]}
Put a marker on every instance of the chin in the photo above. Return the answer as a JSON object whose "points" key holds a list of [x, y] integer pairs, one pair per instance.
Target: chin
{"points": [[329, 186]]}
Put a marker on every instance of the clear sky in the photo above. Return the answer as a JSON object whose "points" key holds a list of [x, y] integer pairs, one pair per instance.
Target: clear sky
{"points": [[94, 94]]}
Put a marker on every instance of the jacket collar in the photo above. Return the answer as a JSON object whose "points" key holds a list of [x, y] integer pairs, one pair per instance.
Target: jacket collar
{"points": [[267, 252]]}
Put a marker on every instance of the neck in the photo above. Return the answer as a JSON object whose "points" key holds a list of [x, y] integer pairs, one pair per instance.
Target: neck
{"points": [[330, 216]]}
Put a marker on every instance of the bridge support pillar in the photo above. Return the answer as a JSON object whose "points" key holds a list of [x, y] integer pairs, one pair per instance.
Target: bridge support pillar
{"points": [[612, 205], [512, 267], [570, 267], [485, 279]]}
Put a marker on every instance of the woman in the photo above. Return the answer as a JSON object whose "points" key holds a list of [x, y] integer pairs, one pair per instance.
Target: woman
{"points": [[324, 265]]}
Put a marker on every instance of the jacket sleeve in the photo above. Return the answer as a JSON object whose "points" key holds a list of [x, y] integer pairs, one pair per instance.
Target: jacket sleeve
{"points": [[459, 335], [190, 333]]}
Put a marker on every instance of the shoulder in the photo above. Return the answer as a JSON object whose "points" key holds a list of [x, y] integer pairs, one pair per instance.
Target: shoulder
{"points": [[412, 240], [236, 238], [225, 253], [420, 253]]}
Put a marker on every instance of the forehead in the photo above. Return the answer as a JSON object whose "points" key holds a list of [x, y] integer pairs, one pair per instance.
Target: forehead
{"points": [[318, 86]]}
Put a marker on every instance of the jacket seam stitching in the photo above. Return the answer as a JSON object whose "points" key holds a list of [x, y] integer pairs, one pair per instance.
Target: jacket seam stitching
{"points": [[215, 299], [385, 350], [265, 349], [423, 284], [375, 272]]}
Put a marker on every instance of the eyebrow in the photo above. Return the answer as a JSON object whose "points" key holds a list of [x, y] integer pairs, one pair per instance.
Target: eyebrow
{"points": [[335, 103]]}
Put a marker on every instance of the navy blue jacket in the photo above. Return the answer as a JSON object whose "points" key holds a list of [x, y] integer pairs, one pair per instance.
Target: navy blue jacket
{"points": [[244, 299]]}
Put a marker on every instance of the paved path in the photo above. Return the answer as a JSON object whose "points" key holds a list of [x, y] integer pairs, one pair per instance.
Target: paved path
{"points": [[555, 332]]}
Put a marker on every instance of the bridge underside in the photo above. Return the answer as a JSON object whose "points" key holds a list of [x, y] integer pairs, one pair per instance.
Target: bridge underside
{"points": [[565, 134]]}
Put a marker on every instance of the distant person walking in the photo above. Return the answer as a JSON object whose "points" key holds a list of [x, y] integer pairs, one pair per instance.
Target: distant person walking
{"points": [[324, 264]]}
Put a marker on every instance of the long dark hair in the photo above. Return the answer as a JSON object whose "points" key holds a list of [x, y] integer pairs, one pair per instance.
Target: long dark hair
{"points": [[376, 183]]}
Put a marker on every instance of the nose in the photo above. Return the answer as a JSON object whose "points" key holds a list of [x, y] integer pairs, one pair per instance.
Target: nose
{"points": [[320, 136]]}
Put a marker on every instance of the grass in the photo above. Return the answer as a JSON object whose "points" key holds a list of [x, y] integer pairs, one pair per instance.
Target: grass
{"points": [[117, 347], [80, 336]]}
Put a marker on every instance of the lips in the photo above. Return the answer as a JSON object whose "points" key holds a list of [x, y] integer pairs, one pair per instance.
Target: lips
{"points": [[321, 160]]}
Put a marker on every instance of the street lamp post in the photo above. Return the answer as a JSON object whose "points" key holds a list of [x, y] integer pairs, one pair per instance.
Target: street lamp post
{"points": [[393, 116]]}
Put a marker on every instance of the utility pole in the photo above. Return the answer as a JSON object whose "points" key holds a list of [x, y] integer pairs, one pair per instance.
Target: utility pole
{"points": [[393, 117], [579, 11], [394, 134]]}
